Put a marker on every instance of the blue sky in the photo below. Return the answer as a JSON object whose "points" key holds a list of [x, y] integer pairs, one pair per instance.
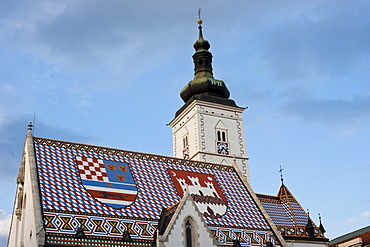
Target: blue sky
{"points": [[109, 73]]}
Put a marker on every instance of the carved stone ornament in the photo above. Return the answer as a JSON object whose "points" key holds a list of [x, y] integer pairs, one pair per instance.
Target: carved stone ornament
{"points": [[20, 178], [18, 210]]}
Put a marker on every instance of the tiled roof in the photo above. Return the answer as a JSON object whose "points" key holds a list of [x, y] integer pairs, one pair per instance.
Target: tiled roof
{"points": [[109, 191], [363, 233], [287, 214]]}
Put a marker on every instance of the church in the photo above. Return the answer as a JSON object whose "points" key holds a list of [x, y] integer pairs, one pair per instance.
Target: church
{"points": [[74, 194]]}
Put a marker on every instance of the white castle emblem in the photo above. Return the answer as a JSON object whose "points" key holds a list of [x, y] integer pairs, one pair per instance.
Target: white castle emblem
{"points": [[207, 199]]}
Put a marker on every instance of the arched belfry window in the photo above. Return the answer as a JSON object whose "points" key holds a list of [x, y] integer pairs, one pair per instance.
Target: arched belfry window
{"points": [[185, 146], [190, 232], [185, 141], [222, 144], [221, 135]]}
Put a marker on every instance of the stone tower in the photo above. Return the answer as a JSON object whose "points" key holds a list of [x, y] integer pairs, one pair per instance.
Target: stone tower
{"points": [[209, 126]]}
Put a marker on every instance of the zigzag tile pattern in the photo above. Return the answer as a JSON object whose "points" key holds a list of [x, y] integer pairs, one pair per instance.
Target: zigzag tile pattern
{"points": [[246, 237], [284, 214], [98, 225]]}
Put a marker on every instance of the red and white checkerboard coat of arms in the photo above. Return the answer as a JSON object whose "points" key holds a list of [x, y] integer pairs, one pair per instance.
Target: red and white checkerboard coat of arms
{"points": [[109, 182], [204, 190]]}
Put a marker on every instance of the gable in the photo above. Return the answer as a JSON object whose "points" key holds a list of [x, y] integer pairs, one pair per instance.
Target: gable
{"points": [[220, 125], [176, 232], [69, 203]]}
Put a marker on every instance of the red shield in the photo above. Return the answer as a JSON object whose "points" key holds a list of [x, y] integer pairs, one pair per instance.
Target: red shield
{"points": [[204, 190]]}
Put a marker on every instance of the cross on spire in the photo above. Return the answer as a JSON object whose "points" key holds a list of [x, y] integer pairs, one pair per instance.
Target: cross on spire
{"points": [[281, 174], [30, 126], [199, 11]]}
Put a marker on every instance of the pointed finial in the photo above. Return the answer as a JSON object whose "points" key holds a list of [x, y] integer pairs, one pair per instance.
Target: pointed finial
{"points": [[200, 24], [310, 229], [30, 126], [199, 20], [281, 175], [321, 227]]}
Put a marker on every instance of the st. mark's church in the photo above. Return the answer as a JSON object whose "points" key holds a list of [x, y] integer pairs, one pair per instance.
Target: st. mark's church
{"points": [[73, 194]]}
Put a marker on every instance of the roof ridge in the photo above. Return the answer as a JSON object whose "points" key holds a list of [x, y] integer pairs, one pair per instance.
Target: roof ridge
{"points": [[131, 154], [353, 234]]}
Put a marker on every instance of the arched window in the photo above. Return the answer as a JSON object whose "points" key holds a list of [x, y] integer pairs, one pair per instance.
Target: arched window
{"points": [[218, 135], [222, 143], [189, 239], [185, 147], [185, 142], [223, 136], [190, 235]]}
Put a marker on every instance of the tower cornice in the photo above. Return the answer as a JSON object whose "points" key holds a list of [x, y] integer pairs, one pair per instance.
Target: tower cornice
{"points": [[187, 108]]}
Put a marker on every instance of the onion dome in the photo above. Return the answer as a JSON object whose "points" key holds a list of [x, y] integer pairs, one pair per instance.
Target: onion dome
{"points": [[204, 86]]}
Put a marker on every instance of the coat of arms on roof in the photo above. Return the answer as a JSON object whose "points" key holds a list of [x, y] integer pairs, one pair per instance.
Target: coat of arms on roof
{"points": [[204, 190], [109, 182]]}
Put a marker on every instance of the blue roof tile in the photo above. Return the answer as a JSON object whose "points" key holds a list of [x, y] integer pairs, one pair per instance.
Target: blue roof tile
{"points": [[65, 192]]}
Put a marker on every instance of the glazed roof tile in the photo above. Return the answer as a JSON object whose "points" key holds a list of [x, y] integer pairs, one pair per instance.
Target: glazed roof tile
{"points": [[284, 209], [68, 171], [363, 233], [287, 214]]}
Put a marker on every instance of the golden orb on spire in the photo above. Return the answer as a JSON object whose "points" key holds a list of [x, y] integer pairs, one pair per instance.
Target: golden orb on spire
{"points": [[200, 21]]}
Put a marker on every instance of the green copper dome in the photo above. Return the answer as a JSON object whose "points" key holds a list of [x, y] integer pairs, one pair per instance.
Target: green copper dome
{"points": [[204, 86]]}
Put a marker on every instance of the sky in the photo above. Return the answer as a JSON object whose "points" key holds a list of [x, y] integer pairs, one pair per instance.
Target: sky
{"points": [[109, 73]]}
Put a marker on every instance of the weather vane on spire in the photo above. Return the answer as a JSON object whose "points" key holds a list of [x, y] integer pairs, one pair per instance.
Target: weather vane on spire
{"points": [[199, 11], [281, 174]]}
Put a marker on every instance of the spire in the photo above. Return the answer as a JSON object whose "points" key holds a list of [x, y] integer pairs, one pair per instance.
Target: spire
{"points": [[200, 21], [204, 86], [284, 193], [281, 175], [321, 227], [310, 229]]}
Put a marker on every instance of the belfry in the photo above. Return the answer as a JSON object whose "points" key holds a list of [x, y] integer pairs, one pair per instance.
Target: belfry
{"points": [[209, 126]]}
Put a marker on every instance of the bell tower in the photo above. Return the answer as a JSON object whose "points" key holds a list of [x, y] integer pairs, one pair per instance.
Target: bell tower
{"points": [[209, 126]]}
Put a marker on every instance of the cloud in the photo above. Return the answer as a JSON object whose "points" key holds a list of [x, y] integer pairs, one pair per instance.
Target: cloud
{"points": [[83, 33], [13, 131], [295, 42], [321, 41], [344, 112], [365, 215], [84, 36], [4, 227], [100, 45]]}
